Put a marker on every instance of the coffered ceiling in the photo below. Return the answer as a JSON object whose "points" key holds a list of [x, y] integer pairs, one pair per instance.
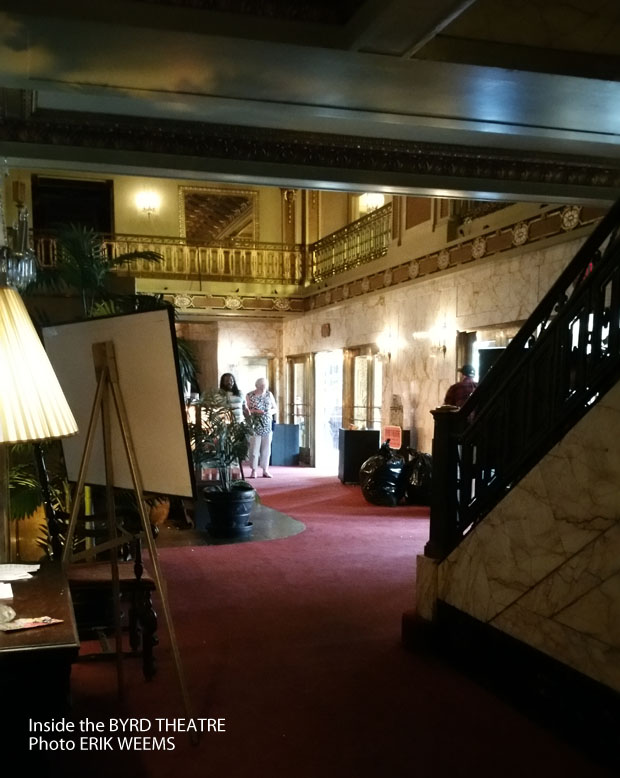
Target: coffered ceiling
{"points": [[486, 98]]}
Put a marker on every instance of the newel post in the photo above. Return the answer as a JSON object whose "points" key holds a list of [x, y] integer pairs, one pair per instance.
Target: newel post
{"points": [[444, 484]]}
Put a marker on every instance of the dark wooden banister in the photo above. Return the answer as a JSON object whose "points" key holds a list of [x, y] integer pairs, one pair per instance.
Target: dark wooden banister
{"points": [[563, 359]]}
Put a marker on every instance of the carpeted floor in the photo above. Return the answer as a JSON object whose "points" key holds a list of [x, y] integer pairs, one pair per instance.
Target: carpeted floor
{"points": [[295, 642]]}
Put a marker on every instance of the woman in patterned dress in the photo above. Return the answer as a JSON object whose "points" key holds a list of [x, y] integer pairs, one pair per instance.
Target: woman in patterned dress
{"points": [[262, 406]]}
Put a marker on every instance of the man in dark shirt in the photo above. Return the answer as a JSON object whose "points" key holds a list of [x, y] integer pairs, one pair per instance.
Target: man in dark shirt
{"points": [[458, 393]]}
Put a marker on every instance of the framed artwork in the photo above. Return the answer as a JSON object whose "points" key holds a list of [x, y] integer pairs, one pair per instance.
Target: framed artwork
{"points": [[210, 216]]}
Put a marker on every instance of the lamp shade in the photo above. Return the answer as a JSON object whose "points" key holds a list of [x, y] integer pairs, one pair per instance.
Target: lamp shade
{"points": [[32, 404]]}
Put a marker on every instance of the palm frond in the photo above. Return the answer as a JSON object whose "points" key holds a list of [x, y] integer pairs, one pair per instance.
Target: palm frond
{"points": [[188, 362], [84, 264], [217, 439], [25, 493]]}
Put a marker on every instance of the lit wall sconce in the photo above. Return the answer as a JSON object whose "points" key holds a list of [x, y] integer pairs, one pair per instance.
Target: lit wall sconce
{"points": [[439, 340], [370, 201], [148, 202], [387, 343]]}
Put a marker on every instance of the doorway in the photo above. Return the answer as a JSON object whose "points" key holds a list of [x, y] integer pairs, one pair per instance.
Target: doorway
{"points": [[328, 409], [249, 370], [62, 201], [300, 403], [363, 383]]}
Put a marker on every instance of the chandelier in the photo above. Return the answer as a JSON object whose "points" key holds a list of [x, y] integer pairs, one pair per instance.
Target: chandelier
{"points": [[18, 264]]}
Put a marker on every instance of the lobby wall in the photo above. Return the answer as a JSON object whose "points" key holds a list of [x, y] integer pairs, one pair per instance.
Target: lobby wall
{"points": [[413, 321]]}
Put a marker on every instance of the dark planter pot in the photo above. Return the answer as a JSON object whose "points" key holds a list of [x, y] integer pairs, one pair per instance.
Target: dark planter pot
{"points": [[229, 512]]}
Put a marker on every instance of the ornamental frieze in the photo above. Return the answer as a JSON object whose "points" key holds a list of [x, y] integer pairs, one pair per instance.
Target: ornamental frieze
{"points": [[183, 301], [236, 305], [537, 228], [305, 149]]}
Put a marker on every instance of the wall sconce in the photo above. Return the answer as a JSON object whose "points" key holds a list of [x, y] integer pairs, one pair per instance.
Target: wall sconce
{"points": [[148, 202], [387, 343], [439, 340], [370, 201]]}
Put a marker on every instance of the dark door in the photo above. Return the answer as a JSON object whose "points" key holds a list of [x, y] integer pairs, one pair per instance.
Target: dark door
{"points": [[488, 357], [62, 201]]}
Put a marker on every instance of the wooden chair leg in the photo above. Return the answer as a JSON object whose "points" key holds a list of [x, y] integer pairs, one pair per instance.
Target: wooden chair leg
{"points": [[143, 629]]}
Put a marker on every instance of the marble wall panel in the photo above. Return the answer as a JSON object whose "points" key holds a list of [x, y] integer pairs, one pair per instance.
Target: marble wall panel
{"points": [[580, 574], [597, 613], [545, 564], [241, 338], [485, 293], [424, 314], [595, 658]]}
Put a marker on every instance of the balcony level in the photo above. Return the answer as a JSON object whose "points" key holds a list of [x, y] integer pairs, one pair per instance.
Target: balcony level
{"points": [[238, 275], [271, 252]]}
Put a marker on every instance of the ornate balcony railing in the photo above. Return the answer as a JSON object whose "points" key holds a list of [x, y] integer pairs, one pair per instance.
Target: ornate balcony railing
{"points": [[240, 261], [356, 244]]}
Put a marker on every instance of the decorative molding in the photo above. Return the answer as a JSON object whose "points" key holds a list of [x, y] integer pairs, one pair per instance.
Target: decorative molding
{"points": [[183, 301], [233, 303], [479, 247], [520, 234], [413, 269], [443, 259], [282, 304], [570, 217], [552, 223], [304, 149]]}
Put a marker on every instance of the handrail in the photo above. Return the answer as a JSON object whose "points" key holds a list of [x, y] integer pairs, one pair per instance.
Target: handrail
{"points": [[359, 242], [239, 260], [562, 361]]}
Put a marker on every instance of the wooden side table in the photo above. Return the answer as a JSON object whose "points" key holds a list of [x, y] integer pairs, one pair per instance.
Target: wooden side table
{"points": [[35, 664]]}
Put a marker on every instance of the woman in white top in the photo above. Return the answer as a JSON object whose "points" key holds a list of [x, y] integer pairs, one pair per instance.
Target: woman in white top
{"points": [[262, 407]]}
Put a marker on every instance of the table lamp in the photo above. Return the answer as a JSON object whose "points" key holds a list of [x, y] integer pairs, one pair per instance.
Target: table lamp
{"points": [[32, 404]]}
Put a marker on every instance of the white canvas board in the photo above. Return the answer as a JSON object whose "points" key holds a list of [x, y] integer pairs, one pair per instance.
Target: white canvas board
{"points": [[150, 387]]}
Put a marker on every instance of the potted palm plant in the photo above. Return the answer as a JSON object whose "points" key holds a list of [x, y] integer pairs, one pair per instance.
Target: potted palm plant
{"points": [[221, 442], [83, 265]]}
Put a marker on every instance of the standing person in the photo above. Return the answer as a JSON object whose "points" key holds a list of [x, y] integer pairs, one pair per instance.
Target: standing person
{"points": [[458, 393], [262, 407], [233, 398]]}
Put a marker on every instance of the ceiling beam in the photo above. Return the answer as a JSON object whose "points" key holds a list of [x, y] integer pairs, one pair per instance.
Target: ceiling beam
{"points": [[400, 27]]}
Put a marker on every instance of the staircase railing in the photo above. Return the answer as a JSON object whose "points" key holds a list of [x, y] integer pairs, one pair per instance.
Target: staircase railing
{"points": [[561, 362]]}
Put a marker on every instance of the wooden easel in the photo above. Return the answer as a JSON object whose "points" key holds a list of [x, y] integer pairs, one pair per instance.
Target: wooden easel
{"points": [[108, 388]]}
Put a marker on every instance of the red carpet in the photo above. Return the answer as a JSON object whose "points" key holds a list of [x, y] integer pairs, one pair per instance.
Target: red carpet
{"points": [[296, 643]]}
